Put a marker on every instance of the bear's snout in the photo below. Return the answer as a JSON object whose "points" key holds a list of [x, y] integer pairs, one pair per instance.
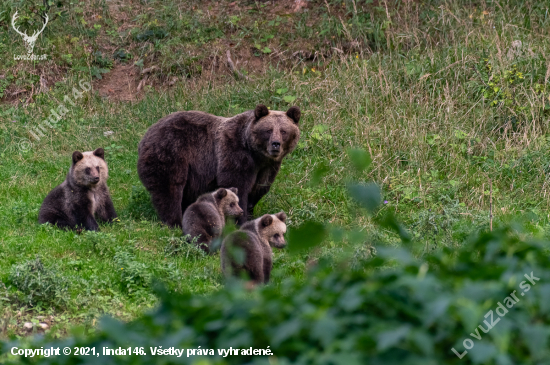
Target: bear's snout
{"points": [[235, 211], [94, 179], [275, 148]]}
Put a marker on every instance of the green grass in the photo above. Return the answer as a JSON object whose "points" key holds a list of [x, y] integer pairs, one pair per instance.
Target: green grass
{"points": [[443, 106]]}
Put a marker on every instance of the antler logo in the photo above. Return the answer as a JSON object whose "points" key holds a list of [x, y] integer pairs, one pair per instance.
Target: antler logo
{"points": [[29, 41]]}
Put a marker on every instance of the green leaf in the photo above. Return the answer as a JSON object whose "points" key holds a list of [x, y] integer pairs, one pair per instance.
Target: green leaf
{"points": [[282, 91], [266, 50], [367, 195], [536, 338], [289, 98], [389, 338], [285, 331], [360, 158], [325, 329], [308, 235], [389, 221], [482, 353], [318, 173], [423, 341]]}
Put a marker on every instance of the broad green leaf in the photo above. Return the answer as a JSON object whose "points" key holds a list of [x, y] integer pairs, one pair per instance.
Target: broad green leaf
{"points": [[393, 337], [308, 235], [367, 195], [359, 158], [318, 173]]}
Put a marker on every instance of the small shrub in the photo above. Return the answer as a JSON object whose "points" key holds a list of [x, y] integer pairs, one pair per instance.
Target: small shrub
{"points": [[122, 55], [40, 285], [185, 246], [134, 275], [102, 61], [103, 243], [151, 34]]}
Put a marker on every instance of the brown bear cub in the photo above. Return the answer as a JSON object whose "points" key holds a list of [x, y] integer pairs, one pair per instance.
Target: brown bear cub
{"points": [[205, 218], [84, 194], [187, 154], [252, 244]]}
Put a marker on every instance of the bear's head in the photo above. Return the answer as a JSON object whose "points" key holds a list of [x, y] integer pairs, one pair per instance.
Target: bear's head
{"points": [[228, 202], [272, 227], [274, 133], [89, 168]]}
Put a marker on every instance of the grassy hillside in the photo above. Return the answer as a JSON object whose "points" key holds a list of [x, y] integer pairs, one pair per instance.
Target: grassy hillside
{"points": [[449, 98]]}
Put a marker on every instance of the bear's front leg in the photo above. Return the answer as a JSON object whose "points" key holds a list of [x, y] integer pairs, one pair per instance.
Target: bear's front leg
{"points": [[167, 202], [241, 176], [90, 223], [243, 203], [268, 265], [83, 217], [107, 212], [261, 187]]}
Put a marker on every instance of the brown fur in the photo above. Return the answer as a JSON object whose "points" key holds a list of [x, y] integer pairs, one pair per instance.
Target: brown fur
{"points": [[253, 242], [205, 218], [82, 196], [187, 154]]}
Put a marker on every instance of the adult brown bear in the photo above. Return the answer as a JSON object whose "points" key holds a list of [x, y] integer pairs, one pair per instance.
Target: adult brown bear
{"points": [[187, 154]]}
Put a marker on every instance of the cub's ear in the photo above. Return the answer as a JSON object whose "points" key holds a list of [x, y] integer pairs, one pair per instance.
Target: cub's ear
{"points": [[266, 220], [234, 190], [281, 216], [100, 152], [77, 156], [294, 114], [221, 193], [260, 111]]}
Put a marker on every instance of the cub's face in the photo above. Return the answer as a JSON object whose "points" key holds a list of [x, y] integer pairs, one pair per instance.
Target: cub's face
{"points": [[275, 133], [89, 168], [272, 227], [228, 201]]}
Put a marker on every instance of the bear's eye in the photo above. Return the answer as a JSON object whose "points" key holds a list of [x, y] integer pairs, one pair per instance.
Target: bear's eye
{"points": [[232, 205], [87, 171], [283, 132], [276, 236], [97, 168]]}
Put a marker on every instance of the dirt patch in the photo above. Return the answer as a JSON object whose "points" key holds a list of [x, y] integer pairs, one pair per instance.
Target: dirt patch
{"points": [[47, 73], [120, 83], [244, 58]]}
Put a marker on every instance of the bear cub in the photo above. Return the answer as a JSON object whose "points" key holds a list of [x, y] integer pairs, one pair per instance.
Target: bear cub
{"points": [[205, 218], [82, 196], [252, 244]]}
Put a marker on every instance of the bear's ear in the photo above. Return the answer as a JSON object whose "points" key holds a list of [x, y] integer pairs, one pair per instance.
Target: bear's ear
{"points": [[77, 156], [281, 216], [294, 114], [266, 220], [100, 152], [234, 190], [260, 111], [221, 193]]}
